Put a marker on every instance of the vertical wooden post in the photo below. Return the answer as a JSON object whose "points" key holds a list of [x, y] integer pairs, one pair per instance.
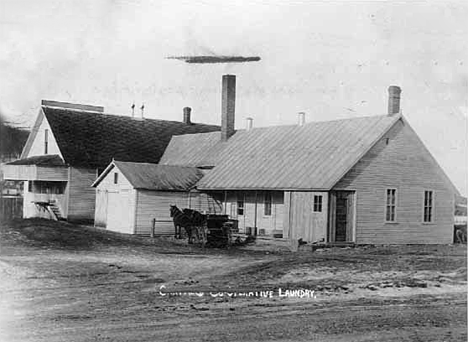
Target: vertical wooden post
{"points": [[153, 227]]}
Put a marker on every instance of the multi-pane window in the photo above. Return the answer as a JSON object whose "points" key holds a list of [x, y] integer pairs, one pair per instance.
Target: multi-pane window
{"points": [[240, 205], [390, 207], [267, 204], [116, 177], [46, 141], [428, 205], [318, 203]]}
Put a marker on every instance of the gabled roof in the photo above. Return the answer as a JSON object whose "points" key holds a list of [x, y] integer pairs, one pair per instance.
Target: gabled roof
{"points": [[155, 177], [45, 160], [313, 156], [198, 150], [92, 139]]}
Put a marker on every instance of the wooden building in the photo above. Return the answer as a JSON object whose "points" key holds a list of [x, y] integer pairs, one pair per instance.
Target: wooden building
{"points": [[129, 196], [71, 144], [365, 180]]}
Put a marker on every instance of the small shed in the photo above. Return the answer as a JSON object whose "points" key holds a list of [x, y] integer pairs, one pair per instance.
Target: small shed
{"points": [[130, 195]]}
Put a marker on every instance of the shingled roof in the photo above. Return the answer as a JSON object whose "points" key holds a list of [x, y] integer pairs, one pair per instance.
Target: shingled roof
{"points": [[156, 177], [91, 139]]}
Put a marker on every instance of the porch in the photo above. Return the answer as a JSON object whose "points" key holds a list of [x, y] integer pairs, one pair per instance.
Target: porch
{"points": [[38, 168]]}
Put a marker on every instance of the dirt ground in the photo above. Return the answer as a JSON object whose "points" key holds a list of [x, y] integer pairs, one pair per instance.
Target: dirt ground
{"points": [[63, 282]]}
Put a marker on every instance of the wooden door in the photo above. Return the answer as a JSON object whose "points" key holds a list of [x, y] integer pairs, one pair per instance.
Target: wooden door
{"points": [[341, 219], [119, 212], [100, 215]]}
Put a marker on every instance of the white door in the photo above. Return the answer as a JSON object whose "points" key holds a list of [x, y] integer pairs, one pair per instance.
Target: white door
{"points": [[119, 212], [100, 214]]}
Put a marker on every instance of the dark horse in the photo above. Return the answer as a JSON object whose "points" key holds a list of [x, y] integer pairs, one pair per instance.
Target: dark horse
{"points": [[192, 221]]}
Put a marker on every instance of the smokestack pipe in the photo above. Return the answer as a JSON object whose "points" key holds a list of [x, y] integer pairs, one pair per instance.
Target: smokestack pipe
{"points": [[301, 118], [187, 112], [249, 124], [394, 93], [228, 104]]}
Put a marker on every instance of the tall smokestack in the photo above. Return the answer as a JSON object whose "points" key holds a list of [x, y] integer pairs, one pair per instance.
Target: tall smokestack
{"points": [[394, 99], [228, 106], [187, 112]]}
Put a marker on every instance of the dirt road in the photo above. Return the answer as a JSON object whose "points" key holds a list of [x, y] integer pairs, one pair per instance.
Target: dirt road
{"points": [[65, 283]]}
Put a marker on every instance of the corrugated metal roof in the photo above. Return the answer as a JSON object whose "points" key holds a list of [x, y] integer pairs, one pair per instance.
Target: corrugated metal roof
{"points": [[312, 156], [157, 177], [193, 150]]}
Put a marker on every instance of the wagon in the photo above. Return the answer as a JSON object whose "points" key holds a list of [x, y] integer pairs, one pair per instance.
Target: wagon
{"points": [[220, 229]]}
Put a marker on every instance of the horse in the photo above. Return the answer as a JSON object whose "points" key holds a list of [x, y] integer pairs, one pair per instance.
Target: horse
{"points": [[181, 220], [193, 222], [199, 224]]}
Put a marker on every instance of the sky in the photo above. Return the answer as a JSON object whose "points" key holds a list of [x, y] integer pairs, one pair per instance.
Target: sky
{"points": [[329, 59]]}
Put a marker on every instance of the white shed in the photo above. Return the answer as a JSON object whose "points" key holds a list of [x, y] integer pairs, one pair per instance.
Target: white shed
{"points": [[130, 195]]}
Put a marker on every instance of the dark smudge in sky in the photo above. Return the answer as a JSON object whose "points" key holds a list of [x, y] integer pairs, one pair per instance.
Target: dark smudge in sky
{"points": [[216, 59]]}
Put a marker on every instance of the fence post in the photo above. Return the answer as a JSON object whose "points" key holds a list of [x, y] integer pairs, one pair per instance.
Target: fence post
{"points": [[153, 227]]}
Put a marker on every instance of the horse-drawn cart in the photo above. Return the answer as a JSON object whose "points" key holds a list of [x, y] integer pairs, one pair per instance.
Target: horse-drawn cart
{"points": [[220, 229], [213, 230]]}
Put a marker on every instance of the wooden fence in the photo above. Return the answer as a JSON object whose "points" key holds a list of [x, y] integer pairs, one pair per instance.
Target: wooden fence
{"points": [[11, 207]]}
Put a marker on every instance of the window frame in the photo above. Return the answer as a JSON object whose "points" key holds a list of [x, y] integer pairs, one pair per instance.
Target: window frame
{"points": [[390, 205], [46, 141], [431, 206], [240, 199], [267, 204], [116, 178], [318, 203]]}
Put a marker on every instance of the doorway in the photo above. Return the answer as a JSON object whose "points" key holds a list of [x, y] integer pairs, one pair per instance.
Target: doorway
{"points": [[342, 216]]}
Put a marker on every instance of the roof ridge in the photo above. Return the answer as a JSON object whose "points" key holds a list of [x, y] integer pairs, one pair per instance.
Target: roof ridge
{"points": [[124, 116], [72, 109], [154, 164]]}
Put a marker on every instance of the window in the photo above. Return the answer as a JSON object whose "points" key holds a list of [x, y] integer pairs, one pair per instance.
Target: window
{"points": [[317, 203], [428, 200], [267, 204], [390, 209], [47, 187], [116, 177], [240, 205], [46, 141]]}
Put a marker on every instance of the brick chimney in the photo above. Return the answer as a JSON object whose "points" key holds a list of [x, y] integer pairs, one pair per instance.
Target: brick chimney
{"points": [[187, 112], [228, 104], [394, 99]]}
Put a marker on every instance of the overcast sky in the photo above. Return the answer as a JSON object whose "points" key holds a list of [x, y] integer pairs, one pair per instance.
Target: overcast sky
{"points": [[330, 59]]}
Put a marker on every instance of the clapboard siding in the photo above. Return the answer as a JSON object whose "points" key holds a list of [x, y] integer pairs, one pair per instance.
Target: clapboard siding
{"points": [[399, 160], [155, 205], [82, 196], [37, 145], [270, 223], [30, 209], [300, 221], [33, 172], [254, 210]]}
